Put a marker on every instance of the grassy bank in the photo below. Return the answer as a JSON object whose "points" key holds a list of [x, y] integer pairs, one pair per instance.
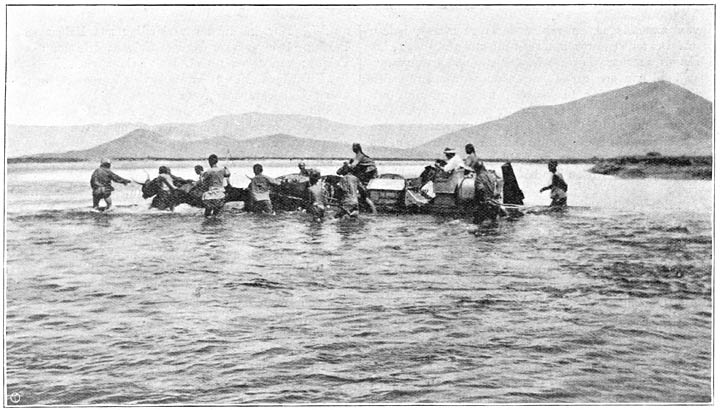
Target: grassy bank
{"points": [[656, 166]]}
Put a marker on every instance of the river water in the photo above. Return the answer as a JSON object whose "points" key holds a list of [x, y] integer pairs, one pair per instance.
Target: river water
{"points": [[609, 302]]}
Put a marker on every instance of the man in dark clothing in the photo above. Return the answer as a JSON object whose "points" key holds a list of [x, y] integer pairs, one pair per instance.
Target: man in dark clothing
{"points": [[485, 195], [512, 194], [166, 196], [197, 188], [362, 166], [101, 184], [471, 158], [303, 169]]}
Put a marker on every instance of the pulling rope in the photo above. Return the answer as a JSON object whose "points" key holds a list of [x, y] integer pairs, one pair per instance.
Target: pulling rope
{"points": [[328, 198], [227, 159], [496, 203], [289, 196]]}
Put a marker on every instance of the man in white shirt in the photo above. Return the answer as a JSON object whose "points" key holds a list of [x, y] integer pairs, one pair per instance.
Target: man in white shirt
{"points": [[453, 161]]}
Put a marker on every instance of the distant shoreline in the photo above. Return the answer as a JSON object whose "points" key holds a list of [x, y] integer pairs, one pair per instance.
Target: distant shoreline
{"points": [[656, 166], [615, 160]]}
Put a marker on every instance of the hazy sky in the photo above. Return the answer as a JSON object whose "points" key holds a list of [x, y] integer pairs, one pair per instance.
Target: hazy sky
{"points": [[358, 65]]}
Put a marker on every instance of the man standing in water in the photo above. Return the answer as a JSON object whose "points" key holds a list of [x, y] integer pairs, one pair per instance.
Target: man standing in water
{"points": [[101, 184], [197, 189], [557, 187], [350, 187], [166, 194], [315, 200], [260, 191], [485, 195], [213, 180]]}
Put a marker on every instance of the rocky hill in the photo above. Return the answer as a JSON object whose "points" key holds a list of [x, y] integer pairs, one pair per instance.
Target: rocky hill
{"points": [[646, 117]]}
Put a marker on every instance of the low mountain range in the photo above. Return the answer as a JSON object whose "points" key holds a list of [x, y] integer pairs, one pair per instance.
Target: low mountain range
{"points": [[143, 143], [252, 125], [34, 139], [646, 117], [26, 140]]}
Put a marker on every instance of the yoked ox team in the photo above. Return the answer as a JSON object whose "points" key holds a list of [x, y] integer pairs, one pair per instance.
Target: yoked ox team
{"points": [[356, 173]]}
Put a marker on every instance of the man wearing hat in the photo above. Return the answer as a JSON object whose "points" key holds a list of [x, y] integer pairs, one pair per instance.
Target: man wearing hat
{"points": [[453, 161], [101, 184]]}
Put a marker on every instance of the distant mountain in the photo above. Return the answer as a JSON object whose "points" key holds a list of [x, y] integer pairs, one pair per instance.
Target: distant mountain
{"points": [[252, 125], [646, 117], [30, 139], [24, 140], [143, 143]]}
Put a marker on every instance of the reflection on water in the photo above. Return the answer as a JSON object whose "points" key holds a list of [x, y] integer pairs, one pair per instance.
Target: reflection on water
{"points": [[609, 302]]}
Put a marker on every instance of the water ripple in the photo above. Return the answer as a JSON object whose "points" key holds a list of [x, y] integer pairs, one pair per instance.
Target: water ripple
{"points": [[582, 307]]}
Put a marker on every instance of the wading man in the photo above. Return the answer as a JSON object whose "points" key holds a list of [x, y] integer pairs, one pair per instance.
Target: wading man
{"points": [[101, 184], [485, 195], [558, 187], [260, 191], [213, 180], [315, 200]]}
